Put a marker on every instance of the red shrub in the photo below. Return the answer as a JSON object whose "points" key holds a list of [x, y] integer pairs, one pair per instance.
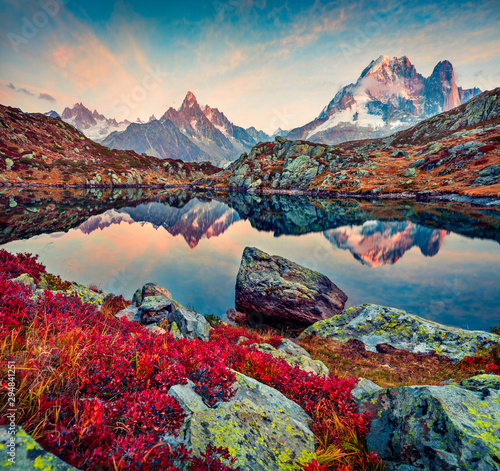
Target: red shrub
{"points": [[487, 148], [102, 383], [14, 265]]}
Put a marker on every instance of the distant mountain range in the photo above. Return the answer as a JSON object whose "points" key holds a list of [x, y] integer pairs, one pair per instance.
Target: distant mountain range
{"points": [[93, 124], [191, 133], [388, 96]]}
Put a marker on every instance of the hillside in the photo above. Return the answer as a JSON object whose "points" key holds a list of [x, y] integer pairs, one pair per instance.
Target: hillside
{"points": [[455, 152], [40, 150]]}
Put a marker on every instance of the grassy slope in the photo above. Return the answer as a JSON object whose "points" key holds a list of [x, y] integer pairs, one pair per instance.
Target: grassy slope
{"points": [[49, 151]]}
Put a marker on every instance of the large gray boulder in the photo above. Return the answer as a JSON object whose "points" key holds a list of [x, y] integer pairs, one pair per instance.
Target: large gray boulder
{"points": [[18, 451], [372, 325], [154, 309], [277, 289], [261, 428], [150, 289], [452, 427]]}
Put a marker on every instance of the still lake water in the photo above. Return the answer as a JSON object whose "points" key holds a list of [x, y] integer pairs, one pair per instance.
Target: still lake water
{"points": [[440, 261]]}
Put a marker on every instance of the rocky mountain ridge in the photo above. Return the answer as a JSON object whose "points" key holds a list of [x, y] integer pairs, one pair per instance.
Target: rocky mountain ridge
{"points": [[453, 152], [40, 150], [192, 133], [93, 124]]}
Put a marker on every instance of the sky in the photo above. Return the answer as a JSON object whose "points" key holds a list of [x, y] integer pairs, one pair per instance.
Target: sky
{"points": [[266, 64]]}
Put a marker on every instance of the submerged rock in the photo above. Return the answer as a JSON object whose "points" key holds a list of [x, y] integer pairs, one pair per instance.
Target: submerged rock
{"points": [[283, 291], [373, 325], [28, 453], [452, 427]]}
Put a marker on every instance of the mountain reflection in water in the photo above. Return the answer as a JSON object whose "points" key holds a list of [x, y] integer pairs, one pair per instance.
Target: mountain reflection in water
{"points": [[378, 243]]}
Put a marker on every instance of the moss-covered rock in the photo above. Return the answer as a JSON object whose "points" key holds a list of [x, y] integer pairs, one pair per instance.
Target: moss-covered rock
{"points": [[24, 279], [260, 439], [374, 324], [86, 294], [20, 452], [263, 430], [452, 427]]}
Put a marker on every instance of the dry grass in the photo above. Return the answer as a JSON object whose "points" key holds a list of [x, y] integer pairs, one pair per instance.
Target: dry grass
{"points": [[396, 368]]}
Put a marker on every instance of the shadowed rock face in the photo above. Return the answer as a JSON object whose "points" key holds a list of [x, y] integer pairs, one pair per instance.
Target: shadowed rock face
{"points": [[282, 291]]}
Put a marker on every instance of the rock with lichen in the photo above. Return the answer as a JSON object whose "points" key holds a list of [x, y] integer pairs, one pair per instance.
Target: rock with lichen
{"points": [[452, 427], [22, 453], [260, 427], [373, 325], [304, 362]]}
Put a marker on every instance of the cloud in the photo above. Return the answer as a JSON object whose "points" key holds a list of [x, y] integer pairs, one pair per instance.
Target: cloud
{"points": [[20, 90], [46, 96]]}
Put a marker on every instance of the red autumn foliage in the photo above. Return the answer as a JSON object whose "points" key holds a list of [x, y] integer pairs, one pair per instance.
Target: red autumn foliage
{"points": [[93, 389], [487, 148], [14, 265]]}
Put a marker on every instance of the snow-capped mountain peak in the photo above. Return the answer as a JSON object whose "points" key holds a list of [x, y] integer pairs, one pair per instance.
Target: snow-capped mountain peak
{"points": [[93, 124], [388, 96], [189, 102]]}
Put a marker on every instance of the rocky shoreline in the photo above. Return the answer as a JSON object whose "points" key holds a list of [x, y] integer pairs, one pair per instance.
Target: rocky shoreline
{"points": [[435, 196]]}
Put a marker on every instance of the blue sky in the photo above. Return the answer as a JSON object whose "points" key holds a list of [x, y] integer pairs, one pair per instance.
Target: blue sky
{"points": [[263, 63]]}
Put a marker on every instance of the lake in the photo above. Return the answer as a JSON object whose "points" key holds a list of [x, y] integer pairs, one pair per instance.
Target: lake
{"points": [[437, 260]]}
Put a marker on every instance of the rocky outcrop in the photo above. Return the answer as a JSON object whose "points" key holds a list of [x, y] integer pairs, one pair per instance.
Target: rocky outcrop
{"points": [[21, 453], [261, 428], [154, 307], [452, 427], [86, 294], [275, 289], [373, 325]]}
